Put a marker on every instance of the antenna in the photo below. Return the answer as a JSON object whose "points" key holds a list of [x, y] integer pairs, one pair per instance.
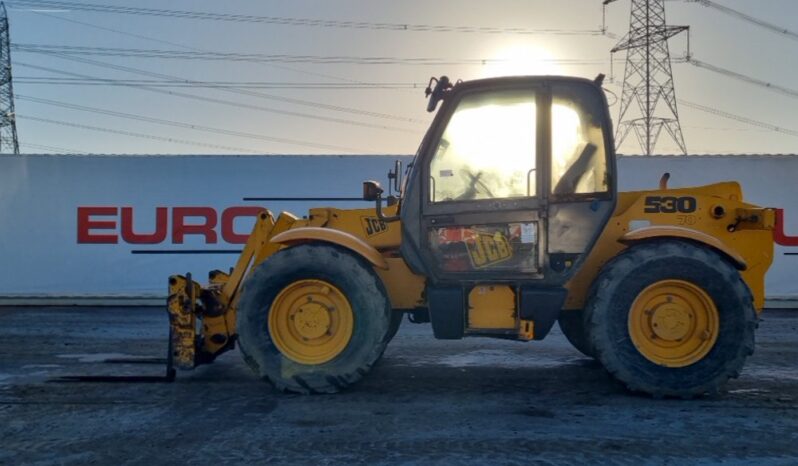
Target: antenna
{"points": [[648, 78]]}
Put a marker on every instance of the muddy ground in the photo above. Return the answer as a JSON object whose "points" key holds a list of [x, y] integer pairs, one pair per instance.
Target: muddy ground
{"points": [[475, 401]]}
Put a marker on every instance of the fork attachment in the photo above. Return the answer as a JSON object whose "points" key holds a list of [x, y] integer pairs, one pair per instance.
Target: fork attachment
{"points": [[181, 304]]}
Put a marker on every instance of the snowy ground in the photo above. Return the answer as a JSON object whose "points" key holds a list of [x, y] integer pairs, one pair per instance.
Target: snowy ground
{"points": [[474, 401]]}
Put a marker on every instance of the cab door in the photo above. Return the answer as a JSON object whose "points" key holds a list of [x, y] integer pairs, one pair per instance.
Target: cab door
{"points": [[483, 212], [581, 191], [515, 182]]}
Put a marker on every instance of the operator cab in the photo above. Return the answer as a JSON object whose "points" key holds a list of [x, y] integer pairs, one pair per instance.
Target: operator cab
{"points": [[512, 184]]}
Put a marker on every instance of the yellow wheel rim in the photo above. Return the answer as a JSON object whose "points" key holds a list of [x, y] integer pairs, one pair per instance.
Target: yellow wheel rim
{"points": [[673, 323], [311, 321]]}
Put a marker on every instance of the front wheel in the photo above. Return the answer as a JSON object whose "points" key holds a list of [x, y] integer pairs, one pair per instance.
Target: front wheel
{"points": [[313, 319], [671, 318]]}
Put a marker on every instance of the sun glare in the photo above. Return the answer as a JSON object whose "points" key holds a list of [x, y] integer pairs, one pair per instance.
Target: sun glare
{"points": [[521, 60]]}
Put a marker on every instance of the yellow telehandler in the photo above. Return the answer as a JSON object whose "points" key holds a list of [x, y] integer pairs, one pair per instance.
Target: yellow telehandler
{"points": [[507, 221]]}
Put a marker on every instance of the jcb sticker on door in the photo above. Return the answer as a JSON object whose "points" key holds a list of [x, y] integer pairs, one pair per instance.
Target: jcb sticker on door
{"points": [[488, 249]]}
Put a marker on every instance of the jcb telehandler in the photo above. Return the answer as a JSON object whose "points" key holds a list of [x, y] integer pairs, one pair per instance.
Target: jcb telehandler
{"points": [[509, 220]]}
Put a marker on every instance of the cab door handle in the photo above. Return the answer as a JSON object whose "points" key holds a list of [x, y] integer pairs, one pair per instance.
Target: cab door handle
{"points": [[445, 220]]}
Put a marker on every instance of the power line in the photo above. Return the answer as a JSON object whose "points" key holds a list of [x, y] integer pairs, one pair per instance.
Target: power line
{"points": [[203, 98], [741, 119], [736, 75], [744, 78], [252, 94], [56, 149], [710, 128], [137, 135], [290, 21], [245, 18], [49, 80], [98, 81], [792, 34], [71, 50], [187, 47], [282, 58], [735, 117], [272, 65], [232, 87], [180, 124], [168, 83]]}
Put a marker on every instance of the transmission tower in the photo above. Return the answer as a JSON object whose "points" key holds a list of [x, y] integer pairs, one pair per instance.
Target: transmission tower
{"points": [[648, 99], [8, 123]]}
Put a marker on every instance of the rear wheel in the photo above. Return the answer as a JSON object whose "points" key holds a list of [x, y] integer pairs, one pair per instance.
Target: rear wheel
{"points": [[671, 318], [313, 319]]}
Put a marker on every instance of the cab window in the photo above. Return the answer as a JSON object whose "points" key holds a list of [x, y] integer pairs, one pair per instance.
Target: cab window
{"points": [[487, 150], [579, 161]]}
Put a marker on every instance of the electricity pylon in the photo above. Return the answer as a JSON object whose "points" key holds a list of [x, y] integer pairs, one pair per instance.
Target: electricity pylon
{"points": [[8, 123], [648, 78]]}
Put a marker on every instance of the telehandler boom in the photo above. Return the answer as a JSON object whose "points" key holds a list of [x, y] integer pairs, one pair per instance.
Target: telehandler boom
{"points": [[509, 220]]}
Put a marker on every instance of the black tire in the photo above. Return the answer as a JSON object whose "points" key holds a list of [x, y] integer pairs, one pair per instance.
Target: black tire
{"points": [[396, 321], [628, 274], [347, 272], [393, 329], [574, 327]]}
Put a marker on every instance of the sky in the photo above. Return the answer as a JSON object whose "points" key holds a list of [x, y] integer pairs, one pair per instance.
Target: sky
{"points": [[370, 121]]}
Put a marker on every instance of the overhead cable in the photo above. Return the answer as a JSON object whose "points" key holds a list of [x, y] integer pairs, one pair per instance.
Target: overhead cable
{"points": [[51, 80], [184, 46], [204, 98], [739, 118], [285, 58], [291, 21], [791, 33], [56, 149], [302, 102], [180, 124], [137, 135]]}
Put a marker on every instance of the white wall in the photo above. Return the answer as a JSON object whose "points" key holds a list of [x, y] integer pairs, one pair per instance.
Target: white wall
{"points": [[41, 256], [40, 252]]}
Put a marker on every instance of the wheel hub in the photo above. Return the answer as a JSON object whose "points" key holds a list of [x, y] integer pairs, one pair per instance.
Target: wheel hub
{"points": [[673, 323], [310, 321]]}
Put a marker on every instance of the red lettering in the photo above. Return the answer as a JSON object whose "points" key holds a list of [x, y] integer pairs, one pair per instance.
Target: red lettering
{"points": [[161, 227], [86, 224], [228, 223], [778, 233], [206, 228]]}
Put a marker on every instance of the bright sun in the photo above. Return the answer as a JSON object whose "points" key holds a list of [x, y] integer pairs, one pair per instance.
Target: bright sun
{"points": [[520, 60]]}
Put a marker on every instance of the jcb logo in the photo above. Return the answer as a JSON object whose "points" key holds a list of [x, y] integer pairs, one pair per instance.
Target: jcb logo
{"points": [[373, 226], [489, 249]]}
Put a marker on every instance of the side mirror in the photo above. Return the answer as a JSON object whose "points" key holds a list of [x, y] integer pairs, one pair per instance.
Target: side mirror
{"points": [[371, 190], [395, 179]]}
